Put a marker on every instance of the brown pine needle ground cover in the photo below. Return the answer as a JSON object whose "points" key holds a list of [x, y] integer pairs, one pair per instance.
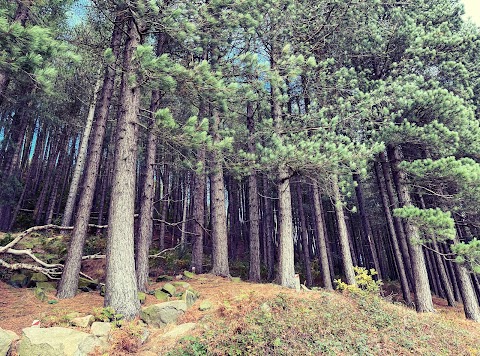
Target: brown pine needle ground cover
{"points": [[265, 319]]}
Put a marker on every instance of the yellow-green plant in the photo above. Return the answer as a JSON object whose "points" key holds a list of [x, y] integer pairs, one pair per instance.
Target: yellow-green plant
{"points": [[365, 284]]}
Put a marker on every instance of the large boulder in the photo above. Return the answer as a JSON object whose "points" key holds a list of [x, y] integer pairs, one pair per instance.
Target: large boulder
{"points": [[56, 341], [159, 315], [101, 329], [169, 288], [7, 337], [83, 321]]}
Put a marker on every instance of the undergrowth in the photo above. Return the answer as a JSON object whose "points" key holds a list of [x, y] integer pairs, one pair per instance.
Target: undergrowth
{"points": [[324, 323]]}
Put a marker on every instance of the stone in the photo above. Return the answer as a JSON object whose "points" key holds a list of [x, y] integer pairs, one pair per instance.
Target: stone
{"points": [[181, 284], [161, 295], [169, 288], [47, 286], [100, 329], [189, 274], [87, 285], [40, 294], [72, 315], [7, 337], [56, 341], [39, 277], [159, 315], [179, 331], [164, 278], [83, 321], [265, 308], [141, 297], [19, 280], [189, 297], [102, 290], [205, 305]]}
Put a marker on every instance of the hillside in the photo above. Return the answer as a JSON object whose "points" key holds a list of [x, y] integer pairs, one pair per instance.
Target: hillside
{"points": [[258, 319]]}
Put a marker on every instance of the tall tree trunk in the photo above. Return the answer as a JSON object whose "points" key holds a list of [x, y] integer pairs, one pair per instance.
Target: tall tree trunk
{"points": [[146, 202], [367, 230], [394, 239], [81, 157], [69, 282], [268, 229], [304, 236], [121, 282], [423, 295], [321, 238], [253, 205], [347, 262], [148, 191], [219, 223], [199, 212], [164, 206]]}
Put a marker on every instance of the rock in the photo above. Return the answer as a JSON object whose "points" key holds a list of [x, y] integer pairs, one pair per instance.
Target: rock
{"points": [[39, 277], [205, 305], [141, 297], [179, 331], [7, 337], [83, 321], [159, 315], [47, 286], [40, 294], [189, 274], [19, 280], [189, 297], [102, 291], [100, 329], [72, 315], [163, 278], [181, 284], [87, 285], [265, 308], [169, 288], [161, 295], [56, 341]]}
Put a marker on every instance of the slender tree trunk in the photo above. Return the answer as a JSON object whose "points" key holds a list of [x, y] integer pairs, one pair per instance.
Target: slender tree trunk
{"points": [[199, 212], [253, 205], [268, 230], [366, 224], [343, 234], [121, 282], [185, 199], [321, 238], [69, 282], [469, 298], [399, 230], [164, 206], [59, 172], [394, 239], [423, 296], [80, 164], [146, 203], [304, 235], [219, 223]]}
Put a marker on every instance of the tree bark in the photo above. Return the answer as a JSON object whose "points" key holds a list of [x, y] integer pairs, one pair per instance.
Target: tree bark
{"points": [[343, 234], [121, 282], [199, 212], [69, 282], [304, 236], [367, 230], [219, 223], [253, 205], [394, 239], [321, 238], [423, 295], [81, 157]]}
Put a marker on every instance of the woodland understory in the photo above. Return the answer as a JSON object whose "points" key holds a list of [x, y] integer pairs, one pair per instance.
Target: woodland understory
{"points": [[300, 137]]}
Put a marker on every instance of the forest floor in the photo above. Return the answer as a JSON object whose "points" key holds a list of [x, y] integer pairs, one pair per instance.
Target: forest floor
{"points": [[261, 319]]}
